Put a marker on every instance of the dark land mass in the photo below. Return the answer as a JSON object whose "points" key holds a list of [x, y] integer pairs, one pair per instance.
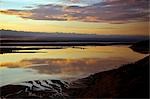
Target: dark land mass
{"points": [[128, 81], [142, 46], [66, 44], [21, 36], [11, 38], [16, 50]]}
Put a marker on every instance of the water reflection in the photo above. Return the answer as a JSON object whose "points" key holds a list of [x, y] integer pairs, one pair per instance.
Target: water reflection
{"points": [[67, 66], [73, 53], [15, 75], [67, 63]]}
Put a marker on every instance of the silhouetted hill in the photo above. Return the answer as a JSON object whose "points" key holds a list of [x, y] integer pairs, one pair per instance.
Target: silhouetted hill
{"points": [[128, 81], [142, 46]]}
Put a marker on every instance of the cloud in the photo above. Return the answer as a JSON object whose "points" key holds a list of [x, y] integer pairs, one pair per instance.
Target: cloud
{"points": [[110, 11], [17, 12], [83, 2]]}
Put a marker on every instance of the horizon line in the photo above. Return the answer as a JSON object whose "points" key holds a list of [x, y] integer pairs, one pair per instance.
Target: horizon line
{"points": [[72, 33]]}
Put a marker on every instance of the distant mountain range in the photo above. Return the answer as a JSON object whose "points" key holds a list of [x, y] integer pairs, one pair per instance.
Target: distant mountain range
{"points": [[9, 35]]}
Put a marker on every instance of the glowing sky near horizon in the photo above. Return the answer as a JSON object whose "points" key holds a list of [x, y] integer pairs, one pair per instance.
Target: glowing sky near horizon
{"points": [[122, 17]]}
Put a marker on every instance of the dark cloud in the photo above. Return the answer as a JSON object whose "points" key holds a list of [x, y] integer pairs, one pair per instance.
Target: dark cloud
{"points": [[110, 11]]}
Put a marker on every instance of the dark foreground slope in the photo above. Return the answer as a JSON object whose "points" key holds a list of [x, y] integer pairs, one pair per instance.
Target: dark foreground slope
{"points": [[131, 80]]}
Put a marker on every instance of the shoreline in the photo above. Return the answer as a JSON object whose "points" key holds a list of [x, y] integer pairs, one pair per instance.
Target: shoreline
{"points": [[62, 45]]}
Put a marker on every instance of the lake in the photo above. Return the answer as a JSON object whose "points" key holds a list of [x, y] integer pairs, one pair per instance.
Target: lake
{"points": [[67, 63]]}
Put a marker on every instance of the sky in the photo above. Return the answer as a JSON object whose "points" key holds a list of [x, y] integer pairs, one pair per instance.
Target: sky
{"points": [[106, 17]]}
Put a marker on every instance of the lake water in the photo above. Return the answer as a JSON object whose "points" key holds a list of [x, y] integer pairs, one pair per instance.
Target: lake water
{"points": [[68, 63]]}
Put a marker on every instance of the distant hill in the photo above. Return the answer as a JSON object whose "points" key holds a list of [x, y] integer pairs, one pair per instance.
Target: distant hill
{"points": [[8, 35], [128, 81]]}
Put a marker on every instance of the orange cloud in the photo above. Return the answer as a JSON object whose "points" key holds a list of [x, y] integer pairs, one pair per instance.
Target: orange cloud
{"points": [[15, 12]]}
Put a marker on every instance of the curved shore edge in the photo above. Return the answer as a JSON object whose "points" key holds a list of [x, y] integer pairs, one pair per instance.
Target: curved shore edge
{"points": [[128, 81], [141, 47]]}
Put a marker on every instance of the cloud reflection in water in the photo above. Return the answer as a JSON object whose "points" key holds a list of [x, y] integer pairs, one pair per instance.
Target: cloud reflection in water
{"points": [[68, 66]]}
